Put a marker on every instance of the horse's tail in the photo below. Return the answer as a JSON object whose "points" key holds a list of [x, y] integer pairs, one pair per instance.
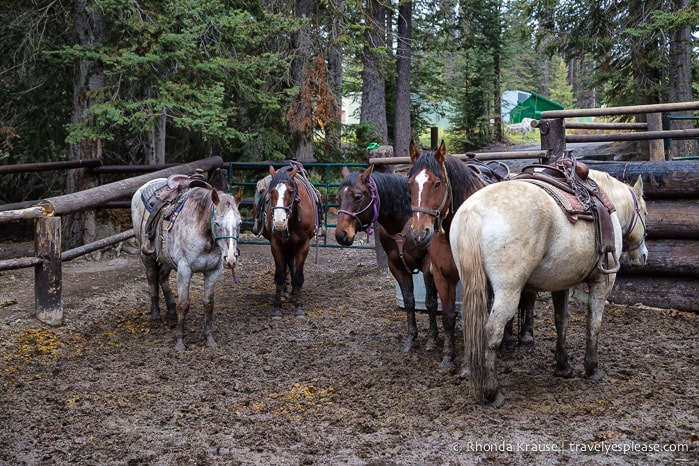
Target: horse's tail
{"points": [[466, 250]]}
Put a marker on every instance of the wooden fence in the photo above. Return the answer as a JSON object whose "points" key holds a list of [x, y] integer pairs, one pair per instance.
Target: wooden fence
{"points": [[48, 257]]}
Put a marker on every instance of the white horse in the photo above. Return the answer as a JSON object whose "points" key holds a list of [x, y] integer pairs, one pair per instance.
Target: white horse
{"points": [[201, 236], [512, 236]]}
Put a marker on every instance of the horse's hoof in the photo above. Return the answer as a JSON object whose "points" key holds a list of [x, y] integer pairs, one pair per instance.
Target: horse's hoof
{"points": [[179, 347], [447, 365], [408, 345], [300, 313], [276, 314], [565, 373], [465, 372], [211, 343], [431, 344], [526, 339], [594, 374], [497, 400]]}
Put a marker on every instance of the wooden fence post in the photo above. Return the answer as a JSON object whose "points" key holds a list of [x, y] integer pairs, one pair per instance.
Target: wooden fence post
{"points": [[47, 275], [553, 138], [656, 147]]}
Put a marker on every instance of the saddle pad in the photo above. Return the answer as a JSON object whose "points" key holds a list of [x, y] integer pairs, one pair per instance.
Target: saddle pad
{"points": [[571, 205]]}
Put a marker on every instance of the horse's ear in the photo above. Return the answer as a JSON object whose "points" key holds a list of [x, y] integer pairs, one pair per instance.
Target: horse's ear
{"points": [[293, 172], [272, 171], [367, 173], [638, 187], [441, 152], [345, 172], [239, 196], [414, 151], [214, 197]]}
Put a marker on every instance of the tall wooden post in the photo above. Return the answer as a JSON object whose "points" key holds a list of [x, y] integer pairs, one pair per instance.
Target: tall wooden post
{"points": [[553, 138], [47, 275], [656, 147]]}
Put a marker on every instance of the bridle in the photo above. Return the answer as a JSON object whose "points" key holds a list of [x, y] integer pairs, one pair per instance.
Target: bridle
{"points": [[286, 208], [437, 213], [375, 202], [632, 225], [217, 237]]}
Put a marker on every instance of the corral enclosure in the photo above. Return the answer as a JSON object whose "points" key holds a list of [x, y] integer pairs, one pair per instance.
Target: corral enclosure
{"points": [[107, 387]]}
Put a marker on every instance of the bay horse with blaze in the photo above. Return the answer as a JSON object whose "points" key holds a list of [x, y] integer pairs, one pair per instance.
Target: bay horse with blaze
{"points": [[290, 222], [439, 183]]}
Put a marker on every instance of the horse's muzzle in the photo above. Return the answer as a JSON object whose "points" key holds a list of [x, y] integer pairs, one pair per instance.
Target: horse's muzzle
{"points": [[422, 238], [344, 239]]}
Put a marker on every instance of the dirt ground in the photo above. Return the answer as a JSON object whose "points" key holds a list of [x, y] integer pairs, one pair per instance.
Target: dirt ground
{"points": [[107, 387]]}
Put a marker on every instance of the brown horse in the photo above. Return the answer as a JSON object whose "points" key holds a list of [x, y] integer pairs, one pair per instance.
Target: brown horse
{"points": [[291, 221], [439, 183], [365, 198]]}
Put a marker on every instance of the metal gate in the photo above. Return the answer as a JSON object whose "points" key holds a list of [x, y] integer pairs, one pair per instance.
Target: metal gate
{"points": [[324, 176]]}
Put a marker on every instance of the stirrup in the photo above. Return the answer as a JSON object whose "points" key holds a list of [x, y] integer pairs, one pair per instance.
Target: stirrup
{"points": [[614, 268]]}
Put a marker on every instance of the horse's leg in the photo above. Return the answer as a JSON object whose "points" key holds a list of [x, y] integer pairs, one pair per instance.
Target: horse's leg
{"points": [[297, 278], [562, 319], [599, 290], [170, 301], [210, 280], [405, 282], [279, 281], [504, 308], [431, 305], [152, 275], [527, 302], [447, 295], [184, 276]]}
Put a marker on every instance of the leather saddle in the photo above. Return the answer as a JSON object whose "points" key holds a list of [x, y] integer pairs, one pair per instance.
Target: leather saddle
{"points": [[167, 195], [567, 182]]}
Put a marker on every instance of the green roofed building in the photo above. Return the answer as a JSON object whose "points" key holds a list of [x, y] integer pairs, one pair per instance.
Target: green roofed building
{"points": [[532, 107]]}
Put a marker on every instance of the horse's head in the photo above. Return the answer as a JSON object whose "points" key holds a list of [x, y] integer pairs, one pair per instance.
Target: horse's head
{"points": [[429, 192], [225, 225], [634, 237], [358, 202], [282, 196]]}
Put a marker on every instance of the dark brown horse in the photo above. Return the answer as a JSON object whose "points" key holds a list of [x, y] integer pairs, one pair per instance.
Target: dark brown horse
{"points": [[291, 222], [365, 198], [439, 183]]}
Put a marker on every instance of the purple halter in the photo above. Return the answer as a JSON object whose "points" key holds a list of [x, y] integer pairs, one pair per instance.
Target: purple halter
{"points": [[375, 201]]}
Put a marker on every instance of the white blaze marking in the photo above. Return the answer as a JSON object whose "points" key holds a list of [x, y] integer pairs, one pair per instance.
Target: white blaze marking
{"points": [[421, 179], [279, 216]]}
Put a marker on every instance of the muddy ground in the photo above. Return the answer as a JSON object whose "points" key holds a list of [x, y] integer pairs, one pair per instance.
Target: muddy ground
{"points": [[107, 387]]}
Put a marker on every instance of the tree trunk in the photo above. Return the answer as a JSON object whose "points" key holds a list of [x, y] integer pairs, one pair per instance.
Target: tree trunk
{"points": [[302, 131], [402, 132], [87, 77], [680, 83], [337, 29], [373, 108], [160, 137]]}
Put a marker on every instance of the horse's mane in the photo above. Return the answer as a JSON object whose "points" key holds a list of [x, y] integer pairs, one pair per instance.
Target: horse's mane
{"points": [[394, 193], [281, 176], [464, 181]]}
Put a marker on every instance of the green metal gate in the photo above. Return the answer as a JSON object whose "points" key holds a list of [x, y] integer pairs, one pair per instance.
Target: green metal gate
{"points": [[246, 174]]}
